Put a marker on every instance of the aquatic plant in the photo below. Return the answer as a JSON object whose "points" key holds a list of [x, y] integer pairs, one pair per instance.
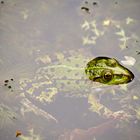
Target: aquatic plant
{"points": [[7, 116], [31, 136]]}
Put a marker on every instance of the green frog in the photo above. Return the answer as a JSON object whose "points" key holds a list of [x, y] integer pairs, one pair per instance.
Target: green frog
{"points": [[108, 71], [77, 75]]}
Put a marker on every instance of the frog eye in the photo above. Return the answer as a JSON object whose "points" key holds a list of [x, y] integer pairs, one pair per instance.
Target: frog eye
{"points": [[107, 75]]}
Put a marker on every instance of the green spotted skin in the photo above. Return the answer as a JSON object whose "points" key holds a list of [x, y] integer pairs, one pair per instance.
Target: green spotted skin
{"points": [[108, 71], [64, 76]]}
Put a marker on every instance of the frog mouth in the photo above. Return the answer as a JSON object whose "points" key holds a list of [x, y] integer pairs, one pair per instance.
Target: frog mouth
{"points": [[129, 77]]}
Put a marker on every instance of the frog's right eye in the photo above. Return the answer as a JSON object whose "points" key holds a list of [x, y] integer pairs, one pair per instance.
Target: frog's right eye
{"points": [[107, 75]]}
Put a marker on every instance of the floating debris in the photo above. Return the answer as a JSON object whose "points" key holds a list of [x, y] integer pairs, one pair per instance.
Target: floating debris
{"points": [[123, 38], [85, 25], [8, 84], [138, 52], [6, 81], [135, 97], [129, 20], [9, 87], [128, 60], [106, 22], [18, 133], [5, 84], [88, 41], [30, 136], [2, 2], [95, 3], [85, 9], [126, 46]]}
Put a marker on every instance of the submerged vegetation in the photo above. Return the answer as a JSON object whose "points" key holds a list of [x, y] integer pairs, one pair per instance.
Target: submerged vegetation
{"points": [[7, 116], [31, 136]]}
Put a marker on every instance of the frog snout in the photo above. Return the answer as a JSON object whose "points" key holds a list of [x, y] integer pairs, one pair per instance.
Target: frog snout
{"points": [[130, 76]]}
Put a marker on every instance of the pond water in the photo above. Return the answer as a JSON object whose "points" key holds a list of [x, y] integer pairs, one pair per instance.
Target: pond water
{"points": [[44, 45]]}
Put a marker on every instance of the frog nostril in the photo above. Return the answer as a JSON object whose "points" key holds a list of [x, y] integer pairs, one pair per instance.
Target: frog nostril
{"points": [[130, 78]]}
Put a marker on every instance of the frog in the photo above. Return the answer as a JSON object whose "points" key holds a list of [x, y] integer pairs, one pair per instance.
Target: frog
{"points": [[76, 75], [108, 71]]}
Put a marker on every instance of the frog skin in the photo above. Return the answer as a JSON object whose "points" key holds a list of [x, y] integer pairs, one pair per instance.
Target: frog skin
{"points": [[71, 77], [108, 71]]}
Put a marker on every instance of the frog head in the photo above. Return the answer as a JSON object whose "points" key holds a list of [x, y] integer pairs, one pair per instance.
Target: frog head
{"points": [[108, 71]]}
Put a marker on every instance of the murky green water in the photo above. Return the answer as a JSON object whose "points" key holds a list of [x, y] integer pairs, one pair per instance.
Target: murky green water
{"points": [[36, 35]]}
